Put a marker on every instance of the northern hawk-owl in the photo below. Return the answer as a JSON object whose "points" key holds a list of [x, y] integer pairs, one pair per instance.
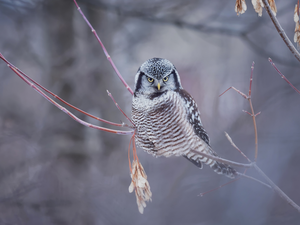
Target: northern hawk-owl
{"points": [[167, 118]]}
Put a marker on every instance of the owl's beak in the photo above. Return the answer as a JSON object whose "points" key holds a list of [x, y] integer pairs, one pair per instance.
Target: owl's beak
{"points": [[158, 86]]}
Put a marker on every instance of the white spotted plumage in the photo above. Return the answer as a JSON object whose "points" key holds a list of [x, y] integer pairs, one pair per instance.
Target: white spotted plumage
{"points": [[167, 118]]}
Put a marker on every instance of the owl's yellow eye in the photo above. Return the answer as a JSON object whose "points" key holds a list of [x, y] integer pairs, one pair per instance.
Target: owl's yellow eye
{"points": [[150, 79], [166, 79]]}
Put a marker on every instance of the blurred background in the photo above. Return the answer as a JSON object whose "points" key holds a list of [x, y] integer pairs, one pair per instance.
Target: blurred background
{"points": [[55, 171]]}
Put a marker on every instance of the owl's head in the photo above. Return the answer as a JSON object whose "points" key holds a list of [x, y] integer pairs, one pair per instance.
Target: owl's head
{"points": [[156, 76]]}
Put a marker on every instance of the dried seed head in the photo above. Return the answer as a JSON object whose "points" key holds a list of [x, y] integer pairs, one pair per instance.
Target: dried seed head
{"points": [[240, 7], [297, 27], [297, 34], [273, 6], [258, 5], [296, 13], [140, 184]]}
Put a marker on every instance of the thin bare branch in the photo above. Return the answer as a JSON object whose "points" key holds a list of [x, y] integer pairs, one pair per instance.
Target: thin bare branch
{"points": [[56, 96], [234, 145], [280, 30], [255, 129], [251, 79], [62, 108], [254, 179], [110, 95], [276, 188], [223, 185], [241, 93], [247, 112], [253, 114], [283, 77], [104, 49]]}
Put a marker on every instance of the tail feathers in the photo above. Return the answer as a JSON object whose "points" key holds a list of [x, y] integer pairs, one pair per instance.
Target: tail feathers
{"points": [[219, 168], [222, 168]]}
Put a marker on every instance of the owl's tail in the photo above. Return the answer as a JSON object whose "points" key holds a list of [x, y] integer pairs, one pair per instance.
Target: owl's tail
{"points": [[222, 168], [218, 167]]}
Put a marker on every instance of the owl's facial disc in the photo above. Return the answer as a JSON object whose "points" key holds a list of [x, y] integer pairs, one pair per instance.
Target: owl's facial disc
{"points": [[156, 75]]}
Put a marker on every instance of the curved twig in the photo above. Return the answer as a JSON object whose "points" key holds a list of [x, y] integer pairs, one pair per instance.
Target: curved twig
{"points": [[35, 87], [104, 49], [117, 105], [56, 96], [252, 178], [282, 76], [281, 32]]}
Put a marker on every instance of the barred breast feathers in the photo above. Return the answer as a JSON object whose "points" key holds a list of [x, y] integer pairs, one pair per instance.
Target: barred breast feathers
{"points": [[162, 124]]}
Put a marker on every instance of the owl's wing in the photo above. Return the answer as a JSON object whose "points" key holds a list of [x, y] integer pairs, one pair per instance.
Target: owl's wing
{"points": [[193, 115]]}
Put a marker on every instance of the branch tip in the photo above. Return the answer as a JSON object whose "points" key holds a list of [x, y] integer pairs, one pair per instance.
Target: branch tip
{"points": [[247, 112], [257, 114], [279, 29], [283, 77], [270, 60]]}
